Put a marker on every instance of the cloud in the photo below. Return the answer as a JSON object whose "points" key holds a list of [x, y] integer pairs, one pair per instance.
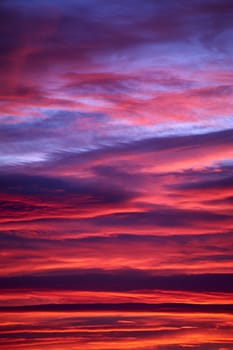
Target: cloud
{"points": [[116, 179], [130, 307], [79, 51], [164, 185], [34, 197], [121, 280], [163, 254]]}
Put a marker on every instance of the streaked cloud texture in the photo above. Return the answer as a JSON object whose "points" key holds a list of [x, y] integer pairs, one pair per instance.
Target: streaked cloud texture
{"points": [[116, 175]]}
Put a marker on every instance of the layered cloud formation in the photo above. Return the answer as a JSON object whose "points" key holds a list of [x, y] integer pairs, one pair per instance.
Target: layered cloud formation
{"points": [[116, 177]]}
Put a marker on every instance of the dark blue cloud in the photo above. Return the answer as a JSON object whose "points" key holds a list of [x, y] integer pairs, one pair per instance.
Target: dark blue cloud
{"points": [[120, 280]]}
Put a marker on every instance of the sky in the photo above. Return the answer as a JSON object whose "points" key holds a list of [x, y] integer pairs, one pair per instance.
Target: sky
{"points": [[116, 175]]}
